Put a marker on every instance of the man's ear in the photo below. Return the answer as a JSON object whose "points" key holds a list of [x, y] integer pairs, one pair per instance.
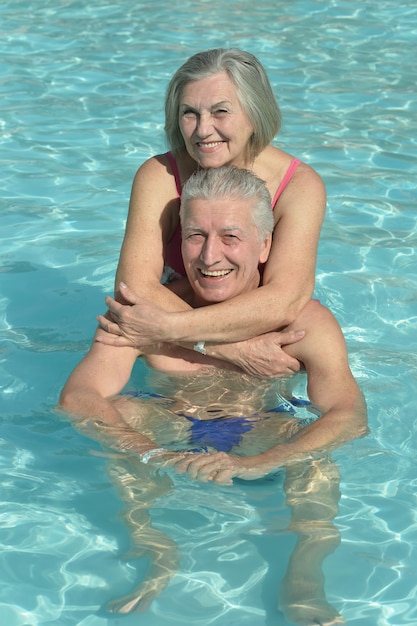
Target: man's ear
{"points": [[265, 249]]}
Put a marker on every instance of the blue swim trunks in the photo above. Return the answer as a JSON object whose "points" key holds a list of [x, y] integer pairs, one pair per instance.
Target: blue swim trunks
{"points": [[223, 433]]}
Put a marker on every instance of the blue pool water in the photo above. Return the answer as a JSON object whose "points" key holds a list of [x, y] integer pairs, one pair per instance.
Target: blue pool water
{"points": [[82, 88]]}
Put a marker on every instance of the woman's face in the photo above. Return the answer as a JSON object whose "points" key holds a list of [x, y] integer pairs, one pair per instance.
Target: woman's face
{"points": [[215, 128]]}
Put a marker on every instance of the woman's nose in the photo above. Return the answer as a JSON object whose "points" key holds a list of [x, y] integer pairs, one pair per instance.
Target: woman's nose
{"points": [[205, 125]]}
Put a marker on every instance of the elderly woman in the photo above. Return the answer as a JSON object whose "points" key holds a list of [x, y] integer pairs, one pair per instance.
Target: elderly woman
{"points": [[220, 110]]}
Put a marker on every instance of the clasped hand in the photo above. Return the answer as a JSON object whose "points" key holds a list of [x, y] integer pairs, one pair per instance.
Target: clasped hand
{"points": [[217, 467], [139, 323]]}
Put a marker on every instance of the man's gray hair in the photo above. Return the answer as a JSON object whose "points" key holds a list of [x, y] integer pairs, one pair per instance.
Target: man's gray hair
{"points": [[232, 183]]}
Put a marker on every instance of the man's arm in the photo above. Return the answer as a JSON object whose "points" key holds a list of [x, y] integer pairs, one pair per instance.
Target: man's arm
{"points": [[86, 397], [331, 388]]}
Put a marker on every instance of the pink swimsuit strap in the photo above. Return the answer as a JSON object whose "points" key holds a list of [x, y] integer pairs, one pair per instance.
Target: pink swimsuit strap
{"points": [[288, 175]]}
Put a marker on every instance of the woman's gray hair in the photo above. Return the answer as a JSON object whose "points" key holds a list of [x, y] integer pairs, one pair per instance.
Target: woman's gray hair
{"points": [[253, 89], [231, 183]]}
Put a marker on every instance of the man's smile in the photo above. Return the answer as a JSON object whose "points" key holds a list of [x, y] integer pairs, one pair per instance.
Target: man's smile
{"points": [[215, 273]]}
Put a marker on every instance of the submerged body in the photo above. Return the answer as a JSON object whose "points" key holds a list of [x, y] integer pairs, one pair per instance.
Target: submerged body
{"points": [[227, 413]]}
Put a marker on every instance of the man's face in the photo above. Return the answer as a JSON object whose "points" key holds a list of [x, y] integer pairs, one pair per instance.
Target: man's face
{"points": [[221, 249]]}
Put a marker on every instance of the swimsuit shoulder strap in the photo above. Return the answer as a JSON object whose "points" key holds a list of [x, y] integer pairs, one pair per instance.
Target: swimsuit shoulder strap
{"points": [[175, 171], [288, 175]]}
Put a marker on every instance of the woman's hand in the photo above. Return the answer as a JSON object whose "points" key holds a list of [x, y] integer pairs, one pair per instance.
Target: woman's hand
{"points": [[138, 323], [264, 355]]}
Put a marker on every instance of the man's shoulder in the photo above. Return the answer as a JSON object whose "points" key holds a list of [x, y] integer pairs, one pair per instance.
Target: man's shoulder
{"points": [[315, 311], [322, 332]]}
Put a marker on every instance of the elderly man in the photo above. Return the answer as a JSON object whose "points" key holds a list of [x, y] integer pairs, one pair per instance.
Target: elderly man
{"points": [[218, 415]]}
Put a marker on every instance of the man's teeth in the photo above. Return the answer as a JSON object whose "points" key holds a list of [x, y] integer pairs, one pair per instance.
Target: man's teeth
{"points": [[215, 273]]}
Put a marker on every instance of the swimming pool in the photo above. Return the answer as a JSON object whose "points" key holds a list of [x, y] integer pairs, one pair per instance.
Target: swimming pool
{"points": [[81, 107]]}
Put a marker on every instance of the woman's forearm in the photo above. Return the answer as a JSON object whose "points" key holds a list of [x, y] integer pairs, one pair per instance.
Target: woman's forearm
{"points": [[171, 297], [141, 323], [245, 316], [259, 356], [160, 314]]}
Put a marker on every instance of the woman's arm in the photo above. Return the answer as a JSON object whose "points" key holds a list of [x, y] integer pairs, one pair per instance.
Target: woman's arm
{"points": [[258, 356], [288, 275], [152, 221]]}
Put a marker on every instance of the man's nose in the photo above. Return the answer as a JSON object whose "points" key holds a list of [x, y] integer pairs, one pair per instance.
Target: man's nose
{"points": [[211, 251]]}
